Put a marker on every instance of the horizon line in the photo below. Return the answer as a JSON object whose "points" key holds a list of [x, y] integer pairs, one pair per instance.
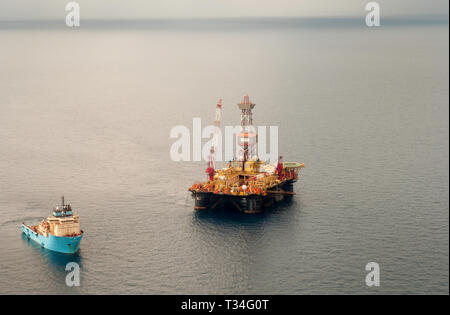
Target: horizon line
{"points": [[254, 22], [362, 16]]}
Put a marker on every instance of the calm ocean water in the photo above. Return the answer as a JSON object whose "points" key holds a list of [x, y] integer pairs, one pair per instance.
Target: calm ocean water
{"points": [[87, 113]]}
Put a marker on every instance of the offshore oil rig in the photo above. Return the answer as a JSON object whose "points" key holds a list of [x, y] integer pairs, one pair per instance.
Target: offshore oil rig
{"points": [[246, 183]]}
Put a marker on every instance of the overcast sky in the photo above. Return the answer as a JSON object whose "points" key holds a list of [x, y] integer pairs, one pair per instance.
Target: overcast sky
{"points": [[132, 9]]}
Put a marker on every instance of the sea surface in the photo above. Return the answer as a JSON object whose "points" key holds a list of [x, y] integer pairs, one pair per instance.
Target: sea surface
{"points": [[87, 113]]}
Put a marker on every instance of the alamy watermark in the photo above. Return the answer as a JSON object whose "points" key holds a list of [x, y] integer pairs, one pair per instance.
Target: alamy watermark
{"points": [[189, 147], [373, 17], [73, 15], [373, 277], [73, 277]]}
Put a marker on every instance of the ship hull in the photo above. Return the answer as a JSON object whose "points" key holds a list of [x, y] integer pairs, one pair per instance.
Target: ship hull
{"points": [[248, 203], [61, 244]]}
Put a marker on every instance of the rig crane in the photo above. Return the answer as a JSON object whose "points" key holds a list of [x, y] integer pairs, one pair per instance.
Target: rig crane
{"points": [[210, 170]]}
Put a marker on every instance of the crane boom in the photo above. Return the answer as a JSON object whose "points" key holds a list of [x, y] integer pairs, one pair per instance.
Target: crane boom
{"points": [[210, 170]]}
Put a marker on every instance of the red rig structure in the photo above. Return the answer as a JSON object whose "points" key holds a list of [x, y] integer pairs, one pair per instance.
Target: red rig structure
{"points": [[210, 170]]}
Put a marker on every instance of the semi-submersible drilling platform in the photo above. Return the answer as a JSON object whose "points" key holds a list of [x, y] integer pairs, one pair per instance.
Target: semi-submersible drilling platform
{"points": [[246, 183]]}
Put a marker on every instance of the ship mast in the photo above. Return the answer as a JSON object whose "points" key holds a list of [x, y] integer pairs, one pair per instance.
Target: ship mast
{"points": [[210, 170], [247, 138]]}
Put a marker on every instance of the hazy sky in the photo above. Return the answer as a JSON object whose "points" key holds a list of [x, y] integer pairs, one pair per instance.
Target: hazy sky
{"points": [[131, 9]]}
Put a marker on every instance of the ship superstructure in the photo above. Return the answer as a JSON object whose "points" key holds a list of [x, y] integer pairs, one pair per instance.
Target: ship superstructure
{"points": [[59, 232], [246, 183]]}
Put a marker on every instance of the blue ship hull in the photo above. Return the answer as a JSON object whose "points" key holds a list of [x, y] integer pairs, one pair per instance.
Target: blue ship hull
{"points": [[61, 244]]}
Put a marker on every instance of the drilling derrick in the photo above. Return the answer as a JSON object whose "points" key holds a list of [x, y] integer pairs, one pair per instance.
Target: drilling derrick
{"points": [[247, 137], [210, 170]]}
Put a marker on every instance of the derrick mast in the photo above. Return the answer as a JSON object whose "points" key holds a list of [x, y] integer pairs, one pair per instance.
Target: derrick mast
{"points": [[247, 137], [210, 170]]}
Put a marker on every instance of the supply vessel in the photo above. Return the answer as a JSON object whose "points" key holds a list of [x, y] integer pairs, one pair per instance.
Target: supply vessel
{"points": [[60, 232], [245, 183]]}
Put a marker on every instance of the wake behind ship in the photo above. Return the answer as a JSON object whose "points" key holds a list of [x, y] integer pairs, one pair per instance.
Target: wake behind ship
{"points": [[60, 232]]}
